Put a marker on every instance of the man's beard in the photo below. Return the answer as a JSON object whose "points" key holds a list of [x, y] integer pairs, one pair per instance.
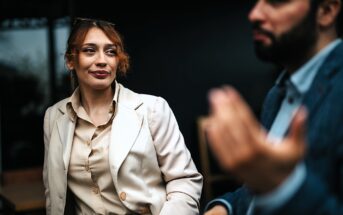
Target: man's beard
{"points": [[291, 47]]}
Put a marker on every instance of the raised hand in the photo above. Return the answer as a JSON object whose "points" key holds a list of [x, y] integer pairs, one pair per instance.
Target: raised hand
{"points": [[240, 143], [217, 210]]}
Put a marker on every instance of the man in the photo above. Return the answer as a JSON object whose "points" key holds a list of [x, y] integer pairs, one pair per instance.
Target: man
{"points": [[287, 169]]}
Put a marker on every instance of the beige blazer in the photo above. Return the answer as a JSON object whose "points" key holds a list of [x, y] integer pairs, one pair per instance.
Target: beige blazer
{"points": [[152, 169]]}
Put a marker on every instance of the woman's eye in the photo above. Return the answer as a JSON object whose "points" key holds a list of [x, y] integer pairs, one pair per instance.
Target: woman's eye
{"points": [[111, 52], [88, 50]]}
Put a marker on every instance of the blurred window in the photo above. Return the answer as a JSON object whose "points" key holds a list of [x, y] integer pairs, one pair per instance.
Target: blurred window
{"points": [[24, 87]]}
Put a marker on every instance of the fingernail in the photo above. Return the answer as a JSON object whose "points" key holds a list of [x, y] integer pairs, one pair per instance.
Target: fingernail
{"points": [[302, 112], [213, 93]]}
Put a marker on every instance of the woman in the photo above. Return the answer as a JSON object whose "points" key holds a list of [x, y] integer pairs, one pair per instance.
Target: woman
{"points": [[109, 150]]}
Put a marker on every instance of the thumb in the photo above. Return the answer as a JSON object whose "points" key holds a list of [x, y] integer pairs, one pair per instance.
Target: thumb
{"points": [[297, 133]]}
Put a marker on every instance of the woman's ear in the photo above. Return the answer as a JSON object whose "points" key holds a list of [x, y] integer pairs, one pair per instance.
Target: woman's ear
{"points": [[328, 12], [70, 65]]}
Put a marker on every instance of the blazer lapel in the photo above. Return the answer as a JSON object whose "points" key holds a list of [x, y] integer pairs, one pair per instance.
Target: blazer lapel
{"points": [[125, 127], [271, 106], [316, 94], [66, 131], [321, 84], [273, 101]]}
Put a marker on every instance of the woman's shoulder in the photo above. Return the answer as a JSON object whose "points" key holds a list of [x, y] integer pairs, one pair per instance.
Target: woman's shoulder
{"points": [[53, 112], [152, 99], [60, 105], [140, 98]]}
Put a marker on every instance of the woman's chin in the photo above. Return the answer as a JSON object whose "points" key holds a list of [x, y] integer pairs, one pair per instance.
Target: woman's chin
{"points": [[100, 86]]}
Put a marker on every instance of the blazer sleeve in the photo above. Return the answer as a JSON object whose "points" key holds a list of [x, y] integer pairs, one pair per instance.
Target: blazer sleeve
{"points": [[183, 181], [236, 202], [46, 150], [316, 196]]}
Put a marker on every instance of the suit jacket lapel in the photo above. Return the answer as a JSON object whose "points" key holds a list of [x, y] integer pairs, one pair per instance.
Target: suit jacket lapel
{"points": [[125, 127], [273, 101], [271, 106], [66, 129], [315, 95], [321, 84]]}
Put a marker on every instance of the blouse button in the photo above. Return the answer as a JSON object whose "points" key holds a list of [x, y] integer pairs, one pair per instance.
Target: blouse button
{"points": [[88, 142], [122, 196], [96, 190], [290, 100]]}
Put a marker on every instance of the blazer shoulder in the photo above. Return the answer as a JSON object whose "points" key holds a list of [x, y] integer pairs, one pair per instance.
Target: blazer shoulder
{"points": [[151, 100], [135, 100], [61, 106], [55, 110]]}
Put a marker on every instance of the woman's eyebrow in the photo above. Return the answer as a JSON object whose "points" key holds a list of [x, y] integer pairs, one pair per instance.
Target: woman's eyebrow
{"points": [[94, 44], [110, 45], [89, 44]]}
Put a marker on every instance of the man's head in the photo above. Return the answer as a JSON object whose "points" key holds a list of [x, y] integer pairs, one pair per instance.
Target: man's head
{"points": [[289, 31]]}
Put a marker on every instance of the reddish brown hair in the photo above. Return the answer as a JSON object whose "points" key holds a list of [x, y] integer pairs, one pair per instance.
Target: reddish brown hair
{"points": [[78, 34]]}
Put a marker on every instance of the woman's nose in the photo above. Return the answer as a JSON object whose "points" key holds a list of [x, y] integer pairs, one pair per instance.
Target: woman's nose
{"points": [[101, 60]]}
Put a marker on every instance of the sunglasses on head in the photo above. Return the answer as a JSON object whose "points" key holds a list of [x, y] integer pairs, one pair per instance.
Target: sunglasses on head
{"points": [[80, 20]]}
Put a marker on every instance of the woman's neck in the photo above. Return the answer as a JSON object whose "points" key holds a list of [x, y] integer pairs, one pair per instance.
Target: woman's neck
{"points": [[96, 103]]}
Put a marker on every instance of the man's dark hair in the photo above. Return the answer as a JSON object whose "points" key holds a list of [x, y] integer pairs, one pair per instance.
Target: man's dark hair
{"points": [[339, 23]]}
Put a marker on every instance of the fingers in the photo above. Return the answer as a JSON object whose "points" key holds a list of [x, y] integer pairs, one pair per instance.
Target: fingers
{"points": [[219, 127], [230, 108], [220, 142], [217, 210], [297, 133], [297, 129], [242, 109], [255, 136], [219, 103], [233, 132]]}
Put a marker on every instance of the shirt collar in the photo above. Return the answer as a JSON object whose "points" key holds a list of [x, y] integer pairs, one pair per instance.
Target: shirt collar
{"points": [[74, 102], [302, 78]]}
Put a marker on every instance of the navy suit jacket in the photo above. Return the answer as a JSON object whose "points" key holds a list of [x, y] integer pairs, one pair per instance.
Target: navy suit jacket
{"points": [[322, 190]]}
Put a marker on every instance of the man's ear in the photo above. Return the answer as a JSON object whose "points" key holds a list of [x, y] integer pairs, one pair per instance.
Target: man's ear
{"points": [[328, 12]]}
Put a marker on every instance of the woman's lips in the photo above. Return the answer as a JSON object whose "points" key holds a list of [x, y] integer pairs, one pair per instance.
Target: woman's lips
{"points": [[100, 74]]}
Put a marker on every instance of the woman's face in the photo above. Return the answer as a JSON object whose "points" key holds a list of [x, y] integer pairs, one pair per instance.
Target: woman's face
{"points": [[97, 61]]}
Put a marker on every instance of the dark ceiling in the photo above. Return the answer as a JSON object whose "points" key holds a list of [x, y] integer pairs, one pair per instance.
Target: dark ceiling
{"points": [[129, 10], [10, 9]]}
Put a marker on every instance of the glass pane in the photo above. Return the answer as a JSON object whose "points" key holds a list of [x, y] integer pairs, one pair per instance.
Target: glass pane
{"points": [[24, 90]]}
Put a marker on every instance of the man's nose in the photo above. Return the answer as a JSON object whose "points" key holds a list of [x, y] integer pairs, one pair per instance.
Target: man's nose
{"points": [[257, 12]]}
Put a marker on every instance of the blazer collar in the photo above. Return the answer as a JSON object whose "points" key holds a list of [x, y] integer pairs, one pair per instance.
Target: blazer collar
{"points": [[66, 128], [125, 127]]}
